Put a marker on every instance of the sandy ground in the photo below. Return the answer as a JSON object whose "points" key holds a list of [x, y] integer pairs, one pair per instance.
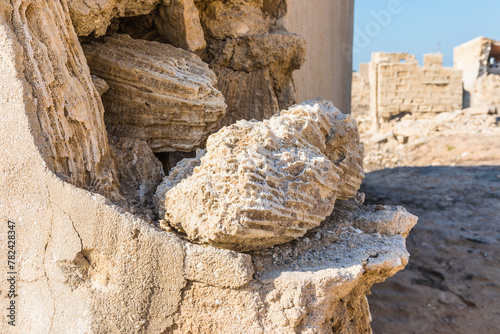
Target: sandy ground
{"points": [[452, 283]]}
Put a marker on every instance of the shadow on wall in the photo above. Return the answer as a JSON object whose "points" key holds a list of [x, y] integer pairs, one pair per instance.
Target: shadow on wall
{"points": [[451, 282]]}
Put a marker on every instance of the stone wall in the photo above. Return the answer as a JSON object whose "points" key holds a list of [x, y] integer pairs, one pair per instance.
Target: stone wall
{"points": [[398, 85], [480, 78], [327, 26], [487, 93], [360, 101]]}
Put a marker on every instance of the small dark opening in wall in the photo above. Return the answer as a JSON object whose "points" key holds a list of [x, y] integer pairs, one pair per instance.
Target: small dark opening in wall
{"points": [[494, 57]]}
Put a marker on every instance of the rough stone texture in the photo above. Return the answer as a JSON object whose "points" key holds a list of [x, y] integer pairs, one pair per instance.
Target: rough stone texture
{"points": [[217, 267], [278, 179], [398, 86], [314, 285], [244, 36], [84, 265], [179, 22], [233, 19], [481, 77], [246, 41], [67, 110], [472, 58], [360, 101], [100, 84], [487, 92], [94, 16], [158, 93], [139, 171], [250, 94]]}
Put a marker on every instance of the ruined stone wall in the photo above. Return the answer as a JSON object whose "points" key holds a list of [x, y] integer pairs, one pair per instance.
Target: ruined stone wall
{"points": [[404, 87], [327, 26], [472, 58], [487, 92], [395, 85], [481, 86], [360, 91]]}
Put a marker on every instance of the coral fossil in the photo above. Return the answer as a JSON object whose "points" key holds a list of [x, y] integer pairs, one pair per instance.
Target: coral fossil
{"points": [[158, 93], [259, 184]]}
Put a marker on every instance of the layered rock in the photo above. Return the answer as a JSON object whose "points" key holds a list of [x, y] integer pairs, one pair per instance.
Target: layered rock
{"points": [[250, 94], [264, 183], [315, 285], [139, 171], [158, 93], [67, 110], [179, 22], [241, 37], [86, 266], [246, 41], [95, 16]]}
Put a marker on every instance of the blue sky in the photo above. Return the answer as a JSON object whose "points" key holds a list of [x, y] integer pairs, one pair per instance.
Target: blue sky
{"points": [[418, 26]]}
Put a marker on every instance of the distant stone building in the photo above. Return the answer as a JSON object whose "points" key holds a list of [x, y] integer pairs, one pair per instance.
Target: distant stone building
{"points": [[398, 86], [479, 59]]}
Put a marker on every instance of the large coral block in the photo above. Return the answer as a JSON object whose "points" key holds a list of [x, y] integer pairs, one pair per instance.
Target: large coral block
{"points": [[264, 183], [158, 93]]}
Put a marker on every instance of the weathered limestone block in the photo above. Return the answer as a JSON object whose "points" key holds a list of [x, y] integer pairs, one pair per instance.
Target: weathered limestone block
{"points": [[68, 112], [487, 92], [264, 183], [279, 49], [248, 36], [279, 52], [179, 22], [94, 16], [139, 170], [160, 94], [316, 285], [217, 267], [223, 20], [100, 84], [248, 95]]}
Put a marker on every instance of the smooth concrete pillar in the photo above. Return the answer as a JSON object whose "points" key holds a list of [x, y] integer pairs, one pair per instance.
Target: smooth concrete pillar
{"points": [[327, 26]]}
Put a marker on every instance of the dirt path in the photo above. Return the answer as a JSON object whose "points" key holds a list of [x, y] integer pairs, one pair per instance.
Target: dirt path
{"points": [[452, 284]]}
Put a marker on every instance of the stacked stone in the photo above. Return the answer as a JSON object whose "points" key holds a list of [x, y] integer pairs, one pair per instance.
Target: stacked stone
{"points": [[404, 87]]}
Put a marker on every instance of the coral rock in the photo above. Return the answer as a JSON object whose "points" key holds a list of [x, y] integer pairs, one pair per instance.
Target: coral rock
{"points": [[100, 84], [248, 95], [158, 93], [179, 23], [139, 170], [94, 16], [67, 110], [315, 285], [233, 20], [264, 183]]}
